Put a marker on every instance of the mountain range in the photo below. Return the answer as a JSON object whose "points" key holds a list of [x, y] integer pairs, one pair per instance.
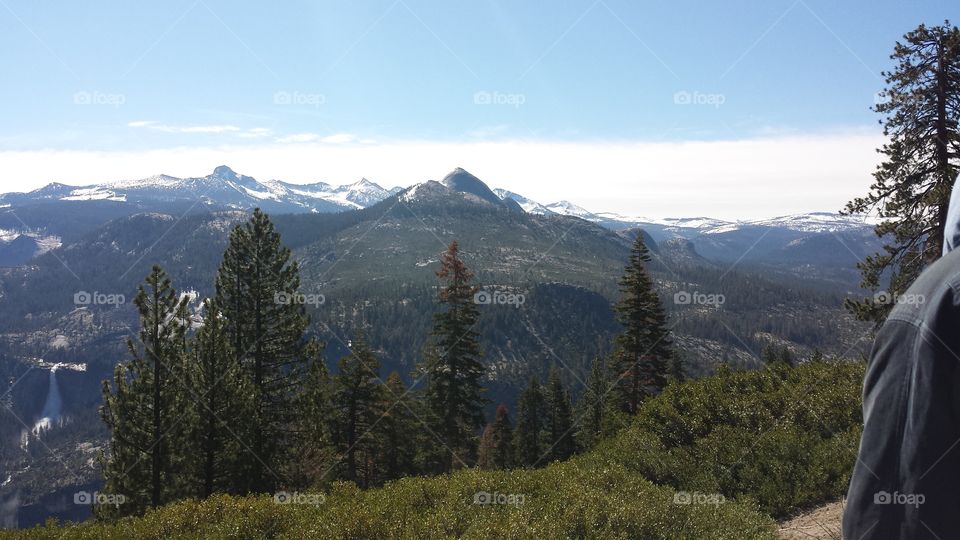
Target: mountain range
{"points": [[36, 222], [223, 188]]}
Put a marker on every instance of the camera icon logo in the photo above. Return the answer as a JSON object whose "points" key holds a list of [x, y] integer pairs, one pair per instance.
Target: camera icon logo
{"points": [[282, 298], [483, 297], [282, 98], [482, 98], [281, 497], [83, 298], [682, 497], [83, 497], [482, 497], [82, 98], [882, 497], [883, 297], [682, 98], [682, 298]]}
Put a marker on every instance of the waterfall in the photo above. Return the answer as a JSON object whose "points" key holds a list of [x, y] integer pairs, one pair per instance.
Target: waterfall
{"points": [[52, 407]]}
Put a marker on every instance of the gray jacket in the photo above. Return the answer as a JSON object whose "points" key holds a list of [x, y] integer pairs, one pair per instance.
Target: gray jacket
{"points": [[906, 482]]}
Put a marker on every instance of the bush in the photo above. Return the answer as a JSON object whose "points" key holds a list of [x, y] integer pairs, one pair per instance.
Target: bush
{"points": [[588, 497], [770, 440], [786, 438]]}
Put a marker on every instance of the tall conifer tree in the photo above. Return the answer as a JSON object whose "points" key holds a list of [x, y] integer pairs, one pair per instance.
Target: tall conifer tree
{"points": [[560, 427], [398, 432], [529, 436], [258, 287], [220, 402], [643, 348], [453, 364], [496, 443], [143, 406], [592, 407], [911, 189], [356, 400], [316, 453]]}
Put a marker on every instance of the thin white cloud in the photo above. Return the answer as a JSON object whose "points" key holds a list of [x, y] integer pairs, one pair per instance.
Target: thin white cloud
{"points": [[184, 129], [748, 178], [207, 129], [336, 138], [298, 138], [339, 138], [485, 132], [255, 133]]}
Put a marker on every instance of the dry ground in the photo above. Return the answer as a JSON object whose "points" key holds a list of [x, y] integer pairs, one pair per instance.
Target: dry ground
{"points": [[822, 523]]}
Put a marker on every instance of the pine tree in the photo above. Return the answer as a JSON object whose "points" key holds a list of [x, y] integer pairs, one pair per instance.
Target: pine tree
{"points": [[677, 371], [496, 444], [142, 407], [786, 356], [257, 290], [769, 355], [773, 354], [316, 454], [220, 402], [528, 437], [357, 397], [591, 409], [644, 345], [561, 440], [452, 363], [398, 433], [911, 189]]}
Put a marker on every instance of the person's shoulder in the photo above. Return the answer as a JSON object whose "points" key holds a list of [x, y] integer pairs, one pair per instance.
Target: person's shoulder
{"points": [[942, 276], [935, 295]]}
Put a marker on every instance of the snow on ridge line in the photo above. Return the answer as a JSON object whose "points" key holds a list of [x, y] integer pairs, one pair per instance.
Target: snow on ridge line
{"points": [[364, 192], [356, 195], [262, 195], [94, 194]]}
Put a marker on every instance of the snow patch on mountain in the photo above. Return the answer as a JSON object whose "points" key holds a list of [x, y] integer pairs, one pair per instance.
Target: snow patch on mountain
{"points": [[262, 195], [567, 208], [529, 206], [818, 222], [424, 191], [158, 181], [223, 187], [18, 246], [93, 194]]}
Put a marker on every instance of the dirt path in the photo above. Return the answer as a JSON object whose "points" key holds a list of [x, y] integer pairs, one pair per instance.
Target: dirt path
{"points": [[821, 523]]}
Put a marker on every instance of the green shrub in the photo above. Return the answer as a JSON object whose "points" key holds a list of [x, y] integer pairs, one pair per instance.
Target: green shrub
{"points": [[786, 438], [588, 497], [771, 440]]}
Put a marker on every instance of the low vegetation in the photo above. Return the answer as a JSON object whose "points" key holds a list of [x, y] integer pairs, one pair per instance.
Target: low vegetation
{"points": [[711, 458]]}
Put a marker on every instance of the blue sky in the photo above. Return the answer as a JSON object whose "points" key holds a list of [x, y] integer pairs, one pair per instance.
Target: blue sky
{"points": [[215, 80]]}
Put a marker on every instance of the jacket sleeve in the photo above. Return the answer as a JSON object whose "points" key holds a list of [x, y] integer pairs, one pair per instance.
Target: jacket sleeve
{"points": [[906, 481]]}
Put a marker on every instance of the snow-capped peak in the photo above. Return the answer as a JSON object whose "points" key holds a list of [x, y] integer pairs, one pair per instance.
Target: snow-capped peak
{"points": [[529, 206], [225, 172], [567, 208]]}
